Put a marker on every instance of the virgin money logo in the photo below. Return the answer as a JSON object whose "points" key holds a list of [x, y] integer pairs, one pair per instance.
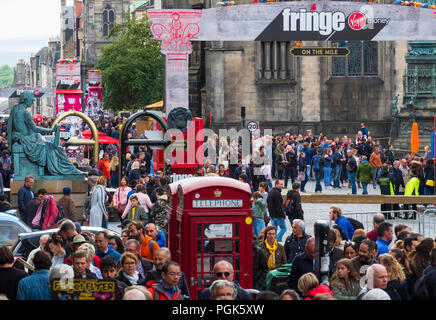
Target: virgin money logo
{"points": [[326, 22], [357, 20], [310, 24]]}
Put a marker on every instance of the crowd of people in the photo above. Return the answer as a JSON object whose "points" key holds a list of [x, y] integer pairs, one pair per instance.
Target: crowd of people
{"points": [[393, 264], [386, 263]]}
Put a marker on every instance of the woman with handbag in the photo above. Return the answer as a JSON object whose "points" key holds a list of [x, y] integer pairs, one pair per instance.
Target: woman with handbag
{"points": [[302, 172], [119, 201]]}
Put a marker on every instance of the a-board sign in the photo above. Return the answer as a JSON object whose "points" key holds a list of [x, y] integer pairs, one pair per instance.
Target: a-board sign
{"points": [[83, 289], [320, 52]]}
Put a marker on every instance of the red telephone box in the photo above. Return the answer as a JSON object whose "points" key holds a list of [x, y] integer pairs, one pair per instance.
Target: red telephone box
{"points": [[211, 220]]}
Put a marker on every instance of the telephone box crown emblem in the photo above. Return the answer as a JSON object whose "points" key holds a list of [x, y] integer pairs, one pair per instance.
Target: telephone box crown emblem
{"points": [[217, 193]]}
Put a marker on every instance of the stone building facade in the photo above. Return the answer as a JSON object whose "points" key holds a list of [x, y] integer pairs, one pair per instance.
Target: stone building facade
{"points": [[98, 18], [292, 94], [39, 72]]}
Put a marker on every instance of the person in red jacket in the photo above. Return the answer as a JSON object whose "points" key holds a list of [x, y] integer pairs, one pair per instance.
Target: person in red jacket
{"points": [[166, 288], [104, 165], [376, 220], [309, 287]]}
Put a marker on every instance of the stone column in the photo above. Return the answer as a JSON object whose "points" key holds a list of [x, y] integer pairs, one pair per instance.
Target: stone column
{"points": [[267, 55], [176, 28], [283, 60], [310, 87]]}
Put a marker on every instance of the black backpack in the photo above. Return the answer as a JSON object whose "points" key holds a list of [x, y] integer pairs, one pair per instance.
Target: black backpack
{"points": [[61, 214], [355, 223]]}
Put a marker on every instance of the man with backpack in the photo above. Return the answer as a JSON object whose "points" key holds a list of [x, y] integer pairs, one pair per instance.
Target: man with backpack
{"points": [[48, 213], [293, 209], [276, 208], [318, 165], [335, 214]]}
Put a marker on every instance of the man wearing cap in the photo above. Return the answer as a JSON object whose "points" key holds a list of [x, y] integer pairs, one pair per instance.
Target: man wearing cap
{"points": [[67, 204], [77, 241]]}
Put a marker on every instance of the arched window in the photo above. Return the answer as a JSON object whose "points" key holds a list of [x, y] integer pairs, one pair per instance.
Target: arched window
{"points": [[362, 60], [108, 21]]}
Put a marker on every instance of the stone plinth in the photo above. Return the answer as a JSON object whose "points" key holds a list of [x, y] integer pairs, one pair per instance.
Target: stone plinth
{"points": [[79, 190]]}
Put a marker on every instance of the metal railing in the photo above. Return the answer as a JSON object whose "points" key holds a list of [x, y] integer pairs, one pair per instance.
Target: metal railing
{"points": [[424, 224]]}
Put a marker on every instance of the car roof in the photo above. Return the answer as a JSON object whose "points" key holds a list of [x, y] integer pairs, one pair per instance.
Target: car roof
{"points": [[14, 219], [28, 235]]}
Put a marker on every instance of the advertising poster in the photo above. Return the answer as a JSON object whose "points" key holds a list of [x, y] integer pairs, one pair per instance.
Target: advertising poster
{"points": [[94, 102], [83, 289], [68, 101], [67, 76], [94, 78]]}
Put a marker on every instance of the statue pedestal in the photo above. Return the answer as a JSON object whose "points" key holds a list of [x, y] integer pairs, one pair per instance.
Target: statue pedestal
{"points": [[54, 186]]}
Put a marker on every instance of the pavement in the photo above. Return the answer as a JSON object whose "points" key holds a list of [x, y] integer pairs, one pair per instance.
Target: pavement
{"points": [[364, 212]]}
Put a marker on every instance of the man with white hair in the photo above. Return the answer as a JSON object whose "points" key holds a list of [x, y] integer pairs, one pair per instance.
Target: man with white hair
{"points": [[377, 278], [296, 241], [223, 270], [376, 294], [223, 290], [135, 294], [42, 242]]}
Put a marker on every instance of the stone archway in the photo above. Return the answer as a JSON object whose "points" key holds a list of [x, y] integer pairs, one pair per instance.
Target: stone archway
{"points": [[85, 142]]}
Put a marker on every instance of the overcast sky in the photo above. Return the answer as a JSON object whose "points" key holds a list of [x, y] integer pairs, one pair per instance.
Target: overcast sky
{"points": [[26, 26]]}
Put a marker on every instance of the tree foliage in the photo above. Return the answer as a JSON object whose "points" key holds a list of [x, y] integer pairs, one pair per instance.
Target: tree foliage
{"points": [[6, 76], [132, 67]]}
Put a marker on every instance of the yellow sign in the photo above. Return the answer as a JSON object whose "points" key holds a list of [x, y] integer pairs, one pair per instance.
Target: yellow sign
{"points": [[320, 52], [248, 220]]}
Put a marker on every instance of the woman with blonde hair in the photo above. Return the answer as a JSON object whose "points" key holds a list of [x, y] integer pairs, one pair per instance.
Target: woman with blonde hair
{"points": [[90, 252], [114, 165], [338, 242], [309, 287], [344, 283], [397, 285], [98, 216]]}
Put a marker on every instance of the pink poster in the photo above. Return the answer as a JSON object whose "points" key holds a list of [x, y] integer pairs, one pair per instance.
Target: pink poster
{"points": [[94, 78], [68, 101], [68, 76]]}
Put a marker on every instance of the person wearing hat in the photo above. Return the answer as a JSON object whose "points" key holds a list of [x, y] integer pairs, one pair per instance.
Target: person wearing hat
{"points": [[77, 241], [67, 204]]}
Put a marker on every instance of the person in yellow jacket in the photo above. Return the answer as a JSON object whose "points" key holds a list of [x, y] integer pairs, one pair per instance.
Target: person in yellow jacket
{"points": [[412, 188]]}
